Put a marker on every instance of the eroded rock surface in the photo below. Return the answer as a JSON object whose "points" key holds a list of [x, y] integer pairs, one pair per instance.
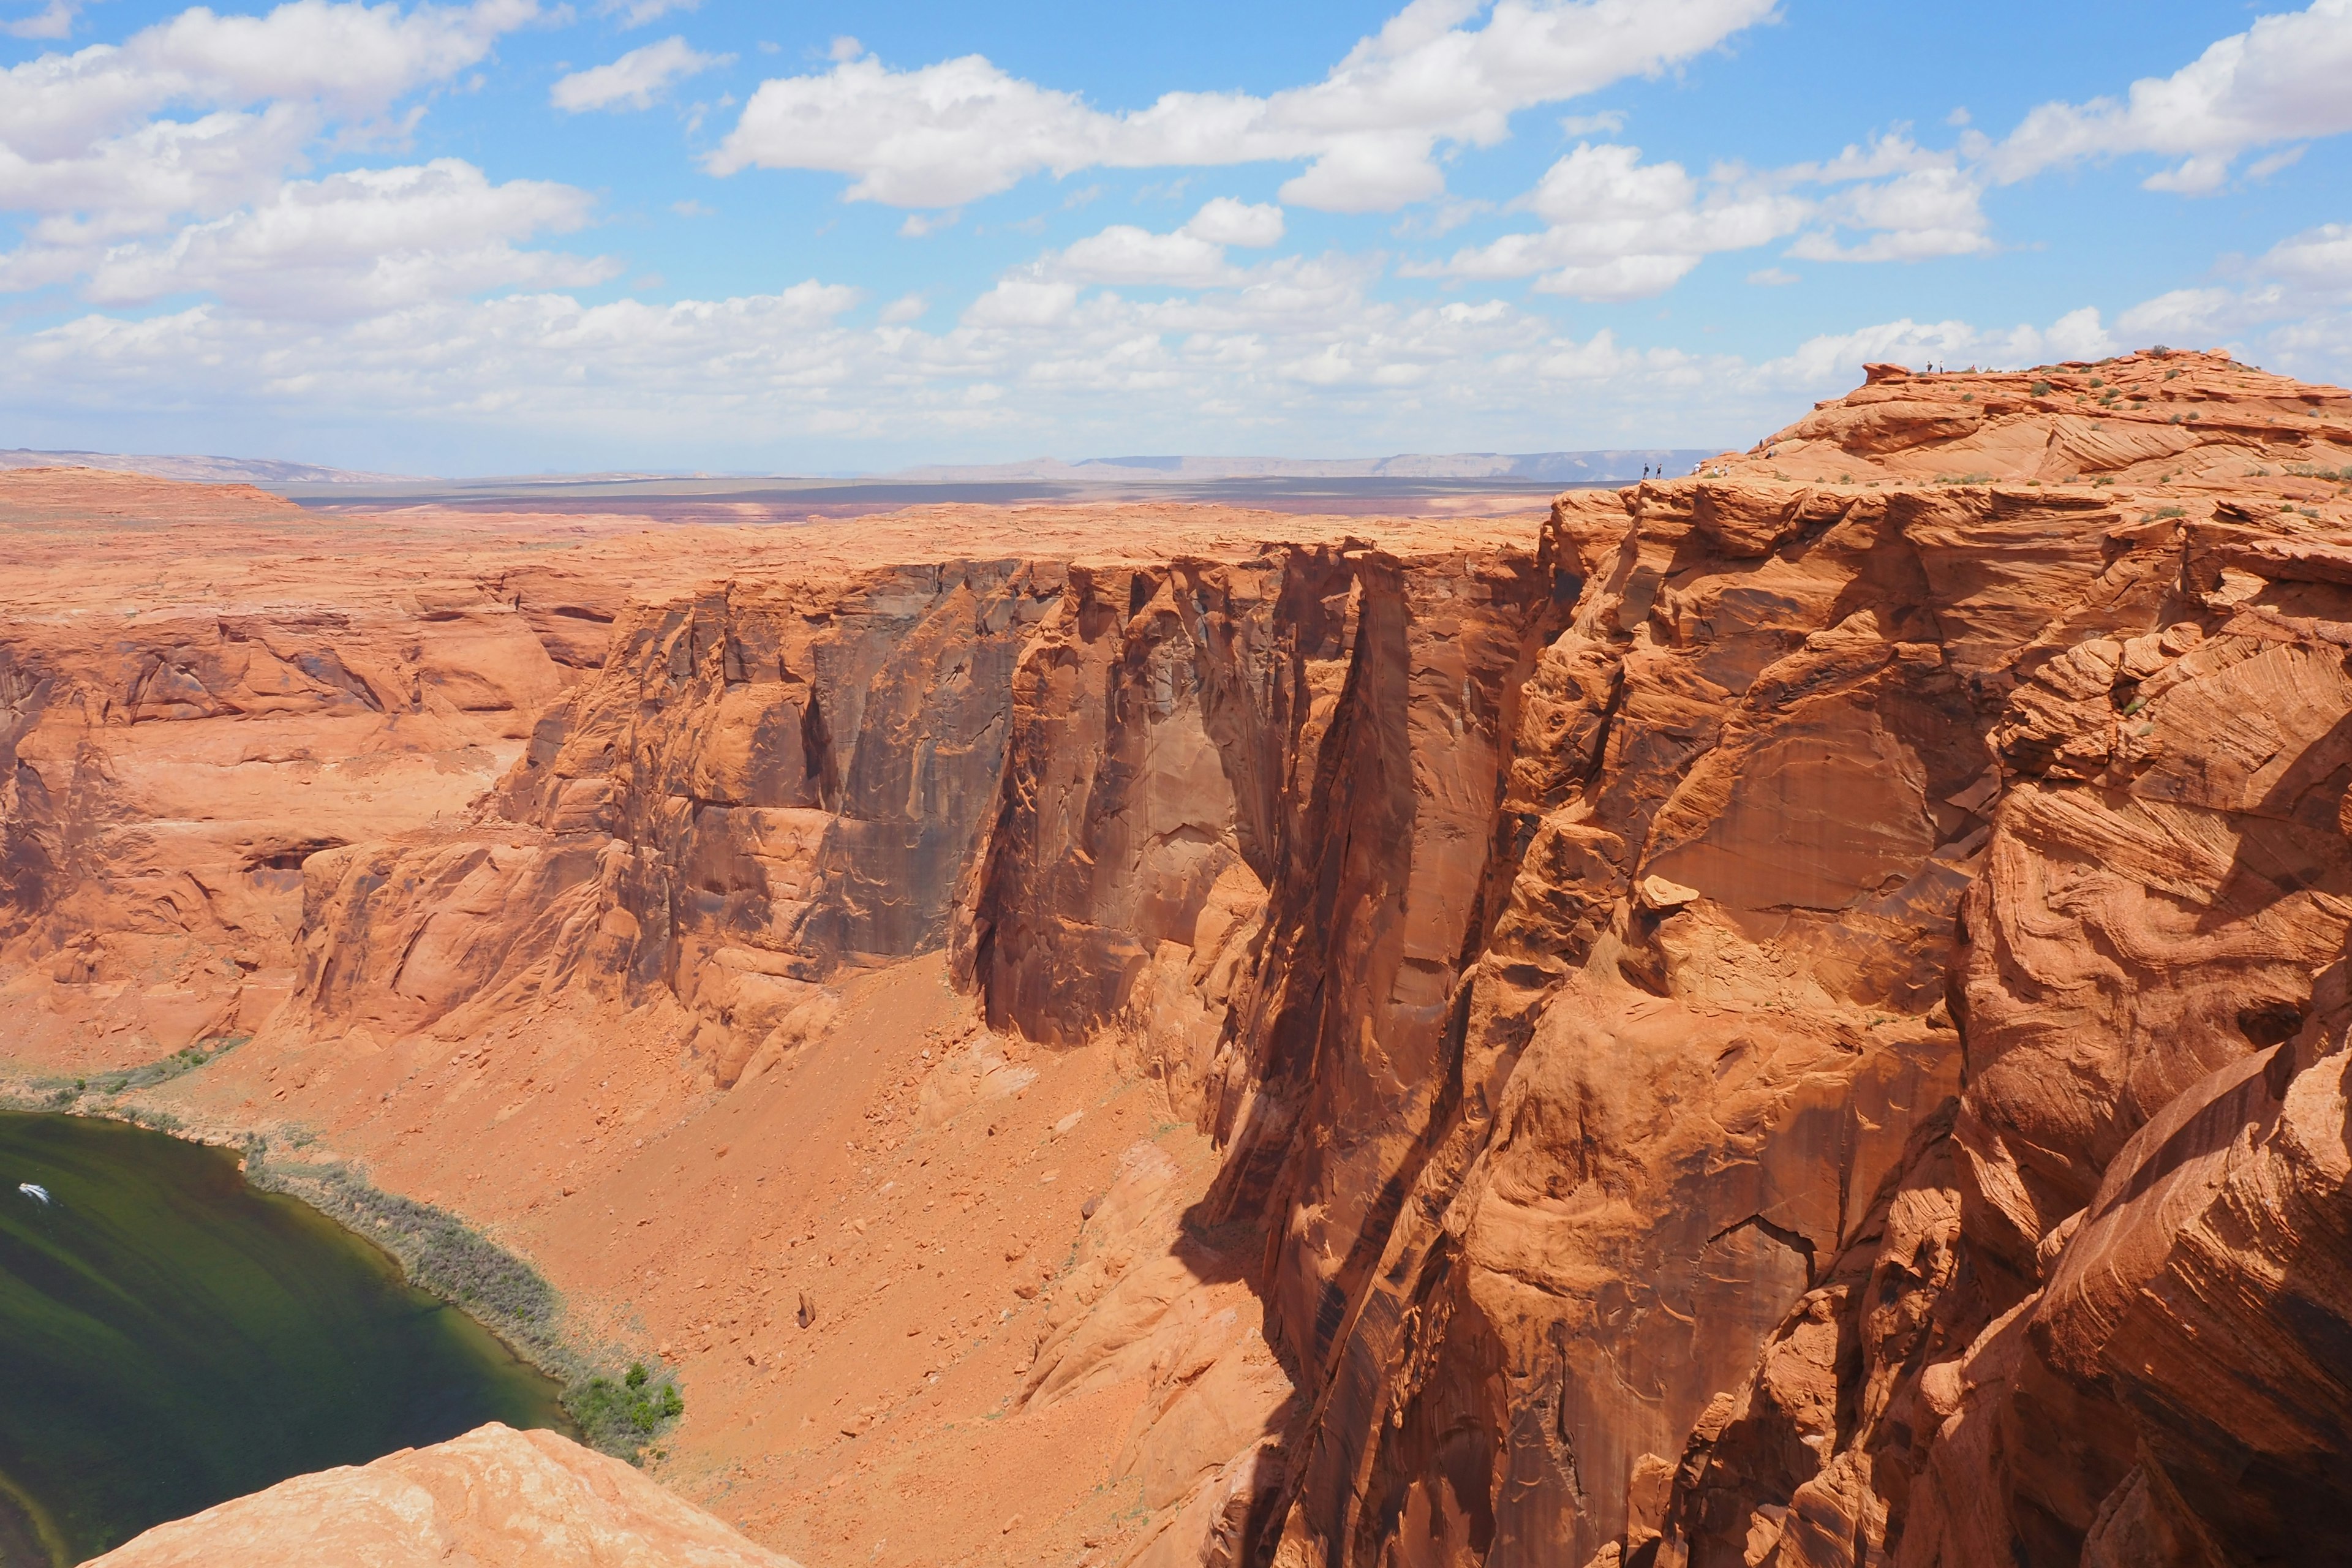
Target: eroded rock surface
{"points": [[494, 1497], [1792, 1015]]}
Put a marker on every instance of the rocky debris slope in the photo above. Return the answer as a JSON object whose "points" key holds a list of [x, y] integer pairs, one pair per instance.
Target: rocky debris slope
{"points": [[492, 1498], [701, 913], [1089, 772], [1793, 1014]]}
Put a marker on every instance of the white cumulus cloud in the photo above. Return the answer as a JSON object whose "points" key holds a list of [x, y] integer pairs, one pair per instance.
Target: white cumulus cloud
{"points": [[958, 129], [2319, 259], [2282, 79], [203, 112], [1835, 359], [159, 167], [362, 243], [1923, 212], [1191, 258], [1225, 221], [2298, 291], [635, 80], [55, 19], [1126, 254], [637, 13], [1622, 229]]}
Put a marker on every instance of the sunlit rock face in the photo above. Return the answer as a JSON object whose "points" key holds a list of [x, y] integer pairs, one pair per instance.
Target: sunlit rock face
{"points": [[1790, 1015], [494, 1494]]}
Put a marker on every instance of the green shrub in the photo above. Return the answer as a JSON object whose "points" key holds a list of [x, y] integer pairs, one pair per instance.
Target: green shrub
{"points": [[186, 1059], [2041, 389], [448, 1258], [621, 1419]]}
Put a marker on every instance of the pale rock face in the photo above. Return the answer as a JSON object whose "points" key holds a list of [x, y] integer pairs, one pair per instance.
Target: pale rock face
{"points": [[494, 1497]]}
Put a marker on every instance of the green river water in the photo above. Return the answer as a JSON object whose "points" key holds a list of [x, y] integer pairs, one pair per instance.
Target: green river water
{"points": [[171, 1337]]}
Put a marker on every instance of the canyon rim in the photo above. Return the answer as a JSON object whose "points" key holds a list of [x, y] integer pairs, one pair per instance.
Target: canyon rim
{"points": [[1791, 1014]]}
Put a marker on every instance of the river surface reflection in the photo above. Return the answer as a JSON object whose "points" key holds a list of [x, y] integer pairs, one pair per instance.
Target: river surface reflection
{"points": [[171, 1337]]}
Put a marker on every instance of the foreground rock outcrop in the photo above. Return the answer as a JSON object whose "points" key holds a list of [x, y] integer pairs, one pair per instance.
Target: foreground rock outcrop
{"points": [[494, 1498], [1792, 1015]]}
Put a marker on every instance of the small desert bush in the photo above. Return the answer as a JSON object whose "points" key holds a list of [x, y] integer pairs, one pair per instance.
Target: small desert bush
{"points": [[447, 1258], [622, 1417]]}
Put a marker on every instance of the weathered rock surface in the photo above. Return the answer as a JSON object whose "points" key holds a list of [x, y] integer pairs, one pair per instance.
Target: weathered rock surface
{"points": [[664, 1008], [492, 1498], [1793, 1014]]}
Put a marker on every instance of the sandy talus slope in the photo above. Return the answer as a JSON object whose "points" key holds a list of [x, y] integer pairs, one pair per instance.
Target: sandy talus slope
{"points": [[1791, 1014]]}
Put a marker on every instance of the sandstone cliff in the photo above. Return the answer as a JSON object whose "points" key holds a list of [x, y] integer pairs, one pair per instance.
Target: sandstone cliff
{"points": [[491, 1498], [1792, 1015]]}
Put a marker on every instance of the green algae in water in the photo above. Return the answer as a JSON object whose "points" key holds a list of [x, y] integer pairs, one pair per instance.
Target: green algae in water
{"points": [[171, 1337]]}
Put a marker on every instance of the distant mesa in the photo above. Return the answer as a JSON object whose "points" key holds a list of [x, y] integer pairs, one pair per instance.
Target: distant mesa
{"points": [[1611, 465], [1410, 484], [201, 470], [1324, 484]]}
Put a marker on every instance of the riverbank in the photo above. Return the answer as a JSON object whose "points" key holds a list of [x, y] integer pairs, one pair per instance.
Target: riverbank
{"points": [[176, 1336], [619, 1399]]}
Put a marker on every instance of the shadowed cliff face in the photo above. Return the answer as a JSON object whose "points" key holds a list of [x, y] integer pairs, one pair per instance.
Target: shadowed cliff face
{"points": [[1794, 1015], [757, 789], [1726, 866]]}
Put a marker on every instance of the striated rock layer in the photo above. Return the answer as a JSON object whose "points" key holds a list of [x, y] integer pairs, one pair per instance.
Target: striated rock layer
{"points": [[1792, 1015], [492, 1498], [1833, 798]]}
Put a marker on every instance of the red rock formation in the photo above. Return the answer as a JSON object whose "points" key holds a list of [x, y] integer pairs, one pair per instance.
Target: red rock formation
{"points": [[1791, 1014], [2096, 1314], [493, 1496], [692, 901]]}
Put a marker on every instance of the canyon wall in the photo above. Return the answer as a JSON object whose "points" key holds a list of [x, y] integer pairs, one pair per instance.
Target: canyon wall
{"points": [[1838, 794], [1791, 1014], [180, 731]]}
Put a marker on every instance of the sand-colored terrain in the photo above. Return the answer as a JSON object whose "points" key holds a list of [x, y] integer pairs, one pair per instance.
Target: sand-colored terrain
{"points": [[1792, 1015]]}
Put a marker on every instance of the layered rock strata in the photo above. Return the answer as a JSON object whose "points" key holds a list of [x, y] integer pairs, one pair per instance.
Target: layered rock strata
{"points": [[1791, 1014], [1836, 798]]}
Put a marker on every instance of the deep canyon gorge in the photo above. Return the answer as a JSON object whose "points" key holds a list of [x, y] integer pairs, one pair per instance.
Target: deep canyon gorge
{"points": [[1795, 1015]]}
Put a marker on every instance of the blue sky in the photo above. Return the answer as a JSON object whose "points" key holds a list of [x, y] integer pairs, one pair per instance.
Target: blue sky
{"points": [[513, 235]]}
